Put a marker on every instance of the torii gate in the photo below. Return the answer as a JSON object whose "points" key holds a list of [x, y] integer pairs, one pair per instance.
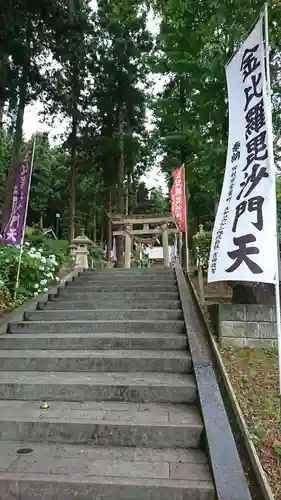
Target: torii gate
{"points": [[126, 223]]}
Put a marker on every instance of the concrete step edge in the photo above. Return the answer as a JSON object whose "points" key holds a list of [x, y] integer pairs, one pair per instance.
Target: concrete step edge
{"points": [[128, 299], [106, 321], [95, 335], [119, 309], [116, 423], [122, 295], [126, 288], [88, 305], [121, 286], [95, 353], [14, 482], [108, 379], [124, 280]]}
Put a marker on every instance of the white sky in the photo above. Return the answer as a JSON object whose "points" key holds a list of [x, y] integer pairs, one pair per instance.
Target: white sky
{"points": [[33, 122]]}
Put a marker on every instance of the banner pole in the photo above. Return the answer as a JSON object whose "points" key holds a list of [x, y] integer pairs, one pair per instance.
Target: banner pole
{"points": [[185, 219], [271, 160], [24, 220], [180, 249]]}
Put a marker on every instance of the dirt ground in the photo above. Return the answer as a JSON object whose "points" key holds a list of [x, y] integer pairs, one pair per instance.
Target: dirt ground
{"points": [[217, 292], [254, 376]]}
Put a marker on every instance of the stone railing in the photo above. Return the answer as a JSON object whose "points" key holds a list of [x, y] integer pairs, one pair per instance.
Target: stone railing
{"points": [[248, 325]]}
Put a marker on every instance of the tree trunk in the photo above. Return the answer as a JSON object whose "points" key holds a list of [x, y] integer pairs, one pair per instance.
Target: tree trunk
{"points": [[17, 143], [134, 200], [72, 200], [101, 234], [71, 223], [120, 189], [94, 228], [109, 230], [1, 114], [73, 7], [127, 200], [20, 114], [3, 81]]}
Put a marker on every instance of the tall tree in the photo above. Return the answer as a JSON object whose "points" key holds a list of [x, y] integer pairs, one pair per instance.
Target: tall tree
{"points": [[124, 45], [192, 119], [65, 82]]}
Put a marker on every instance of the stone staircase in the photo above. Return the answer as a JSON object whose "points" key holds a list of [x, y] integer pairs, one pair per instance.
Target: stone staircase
{"points": [[110, 356]]}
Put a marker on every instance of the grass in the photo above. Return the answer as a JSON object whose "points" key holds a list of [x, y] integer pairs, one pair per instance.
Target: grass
{"points": [[254, 376]]}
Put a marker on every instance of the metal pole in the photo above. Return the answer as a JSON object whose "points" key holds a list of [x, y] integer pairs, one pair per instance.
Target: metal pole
{"points": [[180, 249], [271, 162], [24, 220]]}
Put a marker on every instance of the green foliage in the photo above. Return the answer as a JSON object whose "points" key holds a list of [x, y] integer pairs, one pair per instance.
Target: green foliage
{"points": [[90, 69], [143, 262], [5, 156], [49, 246], [202, 246], [96, 255], [38, 268], [159, 203], [191, 111], [42, 258], [151, 201]]}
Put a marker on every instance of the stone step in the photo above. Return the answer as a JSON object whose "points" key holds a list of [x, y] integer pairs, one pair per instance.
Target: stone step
{"points": [[69, 294], [104, 303], [115, 287], [96, 361], [132, 271], [105, 315], [121, 278], [88, 386], [149, 426], [71, 486], [85, 472], [157, 341], [119, 326], [120, 283]]}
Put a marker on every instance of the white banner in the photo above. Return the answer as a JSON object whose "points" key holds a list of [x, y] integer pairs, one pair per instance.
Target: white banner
{"points": [[244, 243]]}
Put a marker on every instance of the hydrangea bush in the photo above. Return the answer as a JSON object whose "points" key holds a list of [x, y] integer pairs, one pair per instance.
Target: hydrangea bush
{"points": [[38, 269]]}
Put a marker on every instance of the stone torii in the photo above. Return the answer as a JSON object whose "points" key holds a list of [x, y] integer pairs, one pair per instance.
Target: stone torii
{"points": [[126, 223]]}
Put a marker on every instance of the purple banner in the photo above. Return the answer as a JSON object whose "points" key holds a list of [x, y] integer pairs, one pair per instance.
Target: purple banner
{"points": [[12, 232]]}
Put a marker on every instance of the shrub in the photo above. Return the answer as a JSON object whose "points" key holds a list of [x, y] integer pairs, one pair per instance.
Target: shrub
{"points": [[96, 255], [202, 243], [36, 272], [144, 262], [42, 257], [48, 245]]}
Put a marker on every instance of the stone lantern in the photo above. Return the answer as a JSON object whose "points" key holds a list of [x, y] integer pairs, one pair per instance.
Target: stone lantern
{"points": [[82, 244]]}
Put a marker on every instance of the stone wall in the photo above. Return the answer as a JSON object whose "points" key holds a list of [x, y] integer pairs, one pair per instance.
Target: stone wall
{"points": [[249, 325]]}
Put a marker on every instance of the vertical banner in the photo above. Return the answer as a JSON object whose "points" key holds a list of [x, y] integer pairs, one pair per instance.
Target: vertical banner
{"points": [[13, 231], [244, 243], [178, 199]]}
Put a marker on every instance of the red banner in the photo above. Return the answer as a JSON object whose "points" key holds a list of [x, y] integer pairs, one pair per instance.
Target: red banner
{"points": [[178, 199]]}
